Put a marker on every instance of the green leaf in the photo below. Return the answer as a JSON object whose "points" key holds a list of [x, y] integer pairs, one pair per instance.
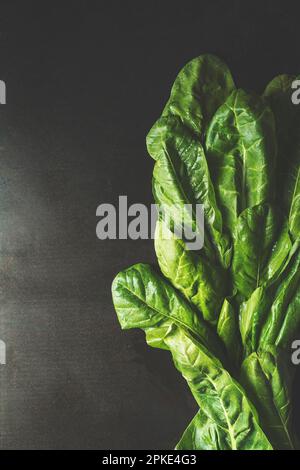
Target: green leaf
{"points": [[271, 314], [181, 178], [252, 316], [199, 89], [294, 213], [281, 251], [181, 175], [203, 284], [265, 376], [284, 296], [143, 300], [237, 300], [291, 322], [218, 395], [228, 331], [241, 151], [287, 115], [257, 257], [202, 434]]}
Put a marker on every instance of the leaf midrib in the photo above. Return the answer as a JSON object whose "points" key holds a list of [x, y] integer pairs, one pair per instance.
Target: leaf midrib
{"points": [[294, 193]]}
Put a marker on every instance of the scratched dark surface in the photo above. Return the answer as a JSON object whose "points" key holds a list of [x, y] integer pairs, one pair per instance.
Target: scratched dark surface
{"points": [[81, 97]]}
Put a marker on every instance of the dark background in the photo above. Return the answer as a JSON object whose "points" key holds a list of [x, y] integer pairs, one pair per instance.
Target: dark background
{"points": [[85, 81]]}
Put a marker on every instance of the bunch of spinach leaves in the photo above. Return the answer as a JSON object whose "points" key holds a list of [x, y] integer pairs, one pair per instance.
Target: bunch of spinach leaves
{"points": [[229, 312]]}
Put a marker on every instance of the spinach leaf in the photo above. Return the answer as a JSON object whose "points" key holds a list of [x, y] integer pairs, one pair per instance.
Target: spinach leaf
{"points": [[271, 315], [202, 434], [201, 283], [218, 395], [294, 213], [266, 378], [143, 300], [199, 89], [281, 252], [181, 178], [229, 312], [287, 115], [258, 255], [252, 315], [228, 331], [241, 152], [284, 302], [291, 323], [181, 175]]}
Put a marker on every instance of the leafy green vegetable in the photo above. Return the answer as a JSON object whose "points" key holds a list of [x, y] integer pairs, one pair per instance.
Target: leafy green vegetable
{"points": [[218, 395], [143, 300], [294, 214], [228, 331], [181, 174], [181, 178], [227, 313], [202, 433], [271, 315], [287, 115], [199, 89], [262, 375], [256, 232], [152, 302], [203, 285], [241, 150], [284, 307]]}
